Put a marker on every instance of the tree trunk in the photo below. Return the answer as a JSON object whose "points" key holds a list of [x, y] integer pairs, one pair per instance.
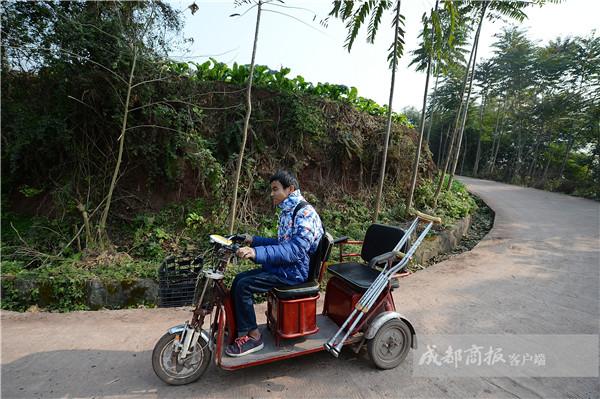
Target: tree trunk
{"points": [[499, 135], [533, 160], [415, 169], [535, 154], [520, 143], [437, 77], [477, 156], [451, 141], [478, 152], [388, 126], [489, 160], [232, 212], [566, 157], [89, 239], [493, 164], [102, 234], [462, 162], [440, 146], [466, 111], [495, 135], [545, 174]]}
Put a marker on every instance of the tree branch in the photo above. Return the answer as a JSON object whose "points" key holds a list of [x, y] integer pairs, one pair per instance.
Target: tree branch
{"points": [[150, 81], [183, 102], [153, 126], [297, 19], [68, 53]]}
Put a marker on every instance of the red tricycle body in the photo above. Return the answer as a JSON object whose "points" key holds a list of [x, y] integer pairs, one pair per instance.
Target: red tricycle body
{"points": [[358, 309], [294, 327]]}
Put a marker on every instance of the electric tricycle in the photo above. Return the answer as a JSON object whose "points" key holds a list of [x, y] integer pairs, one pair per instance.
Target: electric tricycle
{"points": [[358, 308]]}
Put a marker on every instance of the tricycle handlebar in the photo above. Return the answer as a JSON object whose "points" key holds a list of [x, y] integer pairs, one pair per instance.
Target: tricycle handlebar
{"points": [[224, 242], [238, 238]]}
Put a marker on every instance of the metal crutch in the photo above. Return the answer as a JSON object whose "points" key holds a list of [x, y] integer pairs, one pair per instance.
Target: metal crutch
{"points": [[334, 346], [379, 281]]}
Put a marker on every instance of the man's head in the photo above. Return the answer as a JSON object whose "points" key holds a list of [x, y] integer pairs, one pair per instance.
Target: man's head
{"points": [[283, 183]]}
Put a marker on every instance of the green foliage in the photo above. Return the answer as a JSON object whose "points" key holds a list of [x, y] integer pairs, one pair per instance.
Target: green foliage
{"points": [[46, 235], [453, 204], [264, 77], [373, 10], [61, 285], [12, 267], [444, 35], [16, 299], [54, 287], [538, 113], [61, 120], [147, 240], [304, 119], [30, 191], [62, 288], [349, 218], [125, 270]]}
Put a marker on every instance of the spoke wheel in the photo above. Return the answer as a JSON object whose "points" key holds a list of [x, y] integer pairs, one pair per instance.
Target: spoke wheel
{"points": [[174, 372], [390, 345]]}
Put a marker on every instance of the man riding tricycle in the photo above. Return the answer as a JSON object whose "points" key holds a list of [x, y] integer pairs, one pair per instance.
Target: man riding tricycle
{"points": [[358, 308]]}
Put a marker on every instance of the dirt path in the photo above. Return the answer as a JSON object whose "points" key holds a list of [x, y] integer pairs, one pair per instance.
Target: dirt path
{"points": [[537, 272]]}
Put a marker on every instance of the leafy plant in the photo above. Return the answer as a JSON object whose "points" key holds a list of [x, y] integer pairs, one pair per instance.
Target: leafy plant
{"points": [[453, 204], [264, 77], [30, 191]]}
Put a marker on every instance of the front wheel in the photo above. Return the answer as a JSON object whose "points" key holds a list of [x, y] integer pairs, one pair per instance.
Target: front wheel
{"points": [[390, 345], [169, 369]]}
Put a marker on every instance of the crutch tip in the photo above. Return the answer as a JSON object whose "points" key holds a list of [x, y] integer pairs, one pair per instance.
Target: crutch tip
{"points": [[331, 349]]}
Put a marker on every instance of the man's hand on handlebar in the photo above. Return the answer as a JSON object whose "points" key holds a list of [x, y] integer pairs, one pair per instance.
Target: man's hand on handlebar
{"points": [[246, 253], [245, 238]]}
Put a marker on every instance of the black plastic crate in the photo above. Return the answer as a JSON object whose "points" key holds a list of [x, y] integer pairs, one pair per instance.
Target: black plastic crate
{"points": [[177, 281]]}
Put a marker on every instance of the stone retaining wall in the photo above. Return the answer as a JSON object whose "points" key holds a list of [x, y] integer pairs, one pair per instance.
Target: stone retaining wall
{"points": [[443, 242], [119, 294]]}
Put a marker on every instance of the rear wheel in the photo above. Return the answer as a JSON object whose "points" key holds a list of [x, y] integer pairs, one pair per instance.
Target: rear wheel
{"points": [[390, 345], [174, 372]]}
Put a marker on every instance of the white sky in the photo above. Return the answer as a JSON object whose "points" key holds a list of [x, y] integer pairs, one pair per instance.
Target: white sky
{"points": [[318, 55]]}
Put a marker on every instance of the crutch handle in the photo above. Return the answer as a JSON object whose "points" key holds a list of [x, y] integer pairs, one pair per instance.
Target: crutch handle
{"points": [[427, 218]]}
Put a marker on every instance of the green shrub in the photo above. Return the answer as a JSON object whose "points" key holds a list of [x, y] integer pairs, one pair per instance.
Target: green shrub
{"points": [[453, 204]]}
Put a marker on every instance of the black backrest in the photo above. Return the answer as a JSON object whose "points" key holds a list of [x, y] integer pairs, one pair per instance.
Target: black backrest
{"points": [[319, 257], [380, 239]]}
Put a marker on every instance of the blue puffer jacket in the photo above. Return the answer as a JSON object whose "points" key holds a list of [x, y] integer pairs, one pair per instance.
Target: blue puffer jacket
{"points": [[288, 255]]}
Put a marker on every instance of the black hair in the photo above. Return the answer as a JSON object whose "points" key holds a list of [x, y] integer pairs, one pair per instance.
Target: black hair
{"points": [[286, 178]]}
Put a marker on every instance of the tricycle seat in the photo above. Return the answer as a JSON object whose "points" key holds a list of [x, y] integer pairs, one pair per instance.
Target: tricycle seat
{"points": [[315, 273], [359, 276], [378, 240], [310, 288]]}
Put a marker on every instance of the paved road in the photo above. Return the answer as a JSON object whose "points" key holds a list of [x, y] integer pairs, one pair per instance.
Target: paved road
{"points": [[537, 272]]}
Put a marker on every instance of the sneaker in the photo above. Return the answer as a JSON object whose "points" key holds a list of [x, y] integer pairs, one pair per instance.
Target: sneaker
{"points": [[244, 346]]}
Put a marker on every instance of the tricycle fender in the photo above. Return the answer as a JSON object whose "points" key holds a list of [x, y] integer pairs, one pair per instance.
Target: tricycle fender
{"points": [[178, 329], [384, 317]]}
